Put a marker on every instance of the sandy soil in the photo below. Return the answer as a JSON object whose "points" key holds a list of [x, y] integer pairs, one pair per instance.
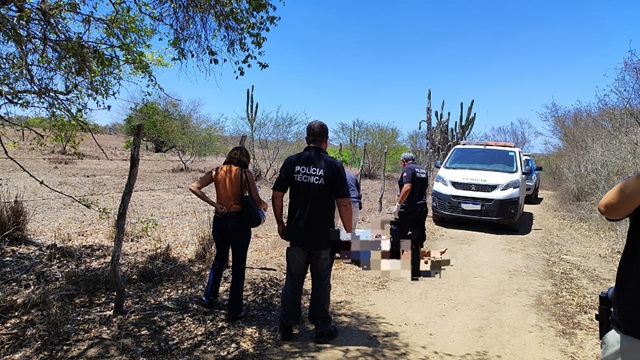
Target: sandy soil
{"points": [[525, 295], [488, 304]]}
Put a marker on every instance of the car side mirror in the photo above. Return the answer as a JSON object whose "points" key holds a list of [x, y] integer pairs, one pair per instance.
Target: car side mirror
{"points": [[527, 170], [538, 168], [438, 164]]}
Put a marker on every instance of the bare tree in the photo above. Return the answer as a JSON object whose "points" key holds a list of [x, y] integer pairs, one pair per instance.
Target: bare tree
{"points": [[521, 132], [351, 135], [624, 93], [278, 135], [584, 159], [378, 138], [416, 140]]}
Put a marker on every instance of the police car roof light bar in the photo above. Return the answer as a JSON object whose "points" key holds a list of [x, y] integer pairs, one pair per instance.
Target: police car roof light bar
{"points": [[489, 143]]}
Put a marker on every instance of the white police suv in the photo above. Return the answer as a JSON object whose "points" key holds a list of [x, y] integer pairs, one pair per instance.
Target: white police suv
{"points": [[483, 181]]}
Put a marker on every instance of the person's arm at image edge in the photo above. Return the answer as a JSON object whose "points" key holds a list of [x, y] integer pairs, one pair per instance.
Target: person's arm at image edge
{"points": [[622, 199]]}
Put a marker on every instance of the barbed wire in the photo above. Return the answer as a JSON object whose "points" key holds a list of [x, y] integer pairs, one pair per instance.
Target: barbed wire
{"points": [[100, 194], [86, 159]]}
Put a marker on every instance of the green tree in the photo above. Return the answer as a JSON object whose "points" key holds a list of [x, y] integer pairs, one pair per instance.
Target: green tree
{"points": [[378, 136], [172, 124], [65, 133], [351, 137], [198, 136], [160, 118], [71, 57], [346, 157]]}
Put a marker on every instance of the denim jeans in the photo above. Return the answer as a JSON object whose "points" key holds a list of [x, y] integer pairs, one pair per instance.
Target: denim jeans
{"points": [[411, 222], [298, 262], [229, 231]]}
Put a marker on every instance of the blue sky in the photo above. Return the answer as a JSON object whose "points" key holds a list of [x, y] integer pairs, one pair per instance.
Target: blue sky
{"points": [[374, 60]]}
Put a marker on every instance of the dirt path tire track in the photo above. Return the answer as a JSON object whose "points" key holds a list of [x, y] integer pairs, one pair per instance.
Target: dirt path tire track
{"points": [[487, 305]]}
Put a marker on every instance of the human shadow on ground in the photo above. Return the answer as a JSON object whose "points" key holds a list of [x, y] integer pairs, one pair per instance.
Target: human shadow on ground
{"points": [[362, 335]]}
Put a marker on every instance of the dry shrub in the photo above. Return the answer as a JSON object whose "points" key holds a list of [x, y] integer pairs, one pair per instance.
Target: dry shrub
{"points": [[597, 144], [179, 169], [164, 255], [204, 250], [39, 302], [23, 301], [87, 281], [159, 266], [596, 149], [55, 252], [14, 217], [62, 160]]}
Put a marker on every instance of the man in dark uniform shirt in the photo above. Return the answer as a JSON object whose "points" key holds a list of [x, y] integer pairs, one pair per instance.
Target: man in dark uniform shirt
{"points": [[317, 182], [623, 342], [411, 211]]}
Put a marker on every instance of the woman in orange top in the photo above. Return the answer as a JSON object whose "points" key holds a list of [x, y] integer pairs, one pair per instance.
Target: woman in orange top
{"points": [[229, 231]]}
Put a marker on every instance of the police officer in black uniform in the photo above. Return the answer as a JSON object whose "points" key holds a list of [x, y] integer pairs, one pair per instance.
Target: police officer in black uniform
{"points": [[411, 211], [317, 183], [623, 341]]}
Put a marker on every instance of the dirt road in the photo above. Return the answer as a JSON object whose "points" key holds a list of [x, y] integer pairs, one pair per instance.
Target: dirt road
{"points": [[486, 305]]}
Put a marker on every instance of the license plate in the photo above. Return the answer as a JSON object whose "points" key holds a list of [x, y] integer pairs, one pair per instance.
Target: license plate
{"points": [[470, 206]]}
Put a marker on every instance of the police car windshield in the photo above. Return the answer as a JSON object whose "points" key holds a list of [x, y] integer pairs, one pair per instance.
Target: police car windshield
{"points": [[484, 159]]}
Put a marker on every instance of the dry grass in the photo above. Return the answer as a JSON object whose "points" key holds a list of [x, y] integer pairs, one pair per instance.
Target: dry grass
{"points": [[581, 256], [161, 265], [204, 249], [14, 217], [63, 160]]}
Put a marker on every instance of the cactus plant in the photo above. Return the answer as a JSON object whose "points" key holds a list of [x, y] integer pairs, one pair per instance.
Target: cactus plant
{"points": [[252, 115], [440, 137]]}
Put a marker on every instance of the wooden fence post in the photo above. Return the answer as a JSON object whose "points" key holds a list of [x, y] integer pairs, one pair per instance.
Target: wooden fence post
{"points": [[364, 153], [384, 177], [116, 277]]}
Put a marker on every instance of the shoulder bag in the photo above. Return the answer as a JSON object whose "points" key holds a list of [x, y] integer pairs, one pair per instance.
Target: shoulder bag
{"points": [[253, 216]]}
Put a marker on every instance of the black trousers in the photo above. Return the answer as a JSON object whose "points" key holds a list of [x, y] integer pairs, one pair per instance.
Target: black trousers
{"points": [[411, 224]]}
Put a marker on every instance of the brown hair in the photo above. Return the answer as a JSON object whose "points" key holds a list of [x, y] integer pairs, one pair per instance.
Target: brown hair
{"points": [[238, 156]]}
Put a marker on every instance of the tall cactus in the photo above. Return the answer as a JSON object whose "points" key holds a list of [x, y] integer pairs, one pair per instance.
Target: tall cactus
{"points": [[441, 133], [440, 137], [252, 115], [429, 151], [464, 127]]}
